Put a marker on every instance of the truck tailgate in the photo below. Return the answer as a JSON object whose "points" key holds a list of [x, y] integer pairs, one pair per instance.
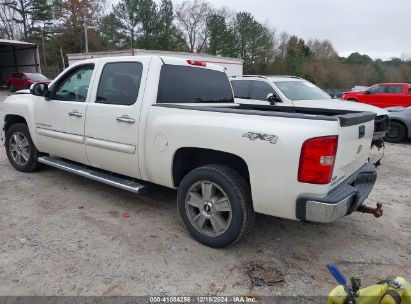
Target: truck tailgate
{"points": [[354, 141]]}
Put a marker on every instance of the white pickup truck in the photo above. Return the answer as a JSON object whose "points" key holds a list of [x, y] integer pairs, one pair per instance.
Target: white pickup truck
{"points": [[132, 121]]}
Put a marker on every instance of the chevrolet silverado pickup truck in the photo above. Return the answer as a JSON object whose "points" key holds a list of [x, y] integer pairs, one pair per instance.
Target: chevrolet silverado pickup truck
{"points": [[133, 121], [298, 92]]}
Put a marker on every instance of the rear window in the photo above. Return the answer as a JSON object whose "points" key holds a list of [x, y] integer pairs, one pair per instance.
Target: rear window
{"points": [[394, 89], [183, 84], [241, 88], [36, 76]]}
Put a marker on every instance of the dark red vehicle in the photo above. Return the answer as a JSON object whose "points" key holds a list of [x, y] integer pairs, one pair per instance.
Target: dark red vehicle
{"points": [[22, 80], [383, 95]]}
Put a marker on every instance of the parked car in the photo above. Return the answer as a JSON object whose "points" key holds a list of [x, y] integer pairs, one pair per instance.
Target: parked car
{"points": [[383, 95], [400, 127], [132, 121], [292, 91], [23, 80]]}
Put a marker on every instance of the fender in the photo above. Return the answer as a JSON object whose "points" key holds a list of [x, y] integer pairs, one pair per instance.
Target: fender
{"points": [[24, 106]]}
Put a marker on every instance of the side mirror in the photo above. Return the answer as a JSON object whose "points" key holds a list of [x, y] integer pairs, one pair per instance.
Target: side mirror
{"points": [[38, 89], [273, 98], [367, 93]]}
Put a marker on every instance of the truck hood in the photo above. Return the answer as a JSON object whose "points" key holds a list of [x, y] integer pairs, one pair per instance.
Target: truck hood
{"points": [[25, 91], [339, 105]]}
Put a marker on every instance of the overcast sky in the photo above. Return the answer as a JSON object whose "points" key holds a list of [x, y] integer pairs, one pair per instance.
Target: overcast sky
{"points": [[379, 28]]}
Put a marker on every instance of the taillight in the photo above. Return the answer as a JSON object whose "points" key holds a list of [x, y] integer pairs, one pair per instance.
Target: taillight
{"points": [[196, 62], [317, 160]]}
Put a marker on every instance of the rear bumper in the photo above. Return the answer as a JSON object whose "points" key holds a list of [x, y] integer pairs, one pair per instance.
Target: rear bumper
{"points": [[340, 201]]}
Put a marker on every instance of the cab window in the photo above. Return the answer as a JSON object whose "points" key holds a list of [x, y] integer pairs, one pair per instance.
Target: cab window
{"points": [[241, 88], [120, 83], [261, 90], [393, 89], [74, 87], [377, 89]]}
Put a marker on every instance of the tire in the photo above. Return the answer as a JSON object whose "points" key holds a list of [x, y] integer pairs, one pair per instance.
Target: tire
{"points": [[12, 88], [21, 152], [352, 99], [200, 211], [396, 133]]}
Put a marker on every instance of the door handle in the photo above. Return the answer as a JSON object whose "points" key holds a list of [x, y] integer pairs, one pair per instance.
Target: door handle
{"points": [[126, 119], [75, 113]]}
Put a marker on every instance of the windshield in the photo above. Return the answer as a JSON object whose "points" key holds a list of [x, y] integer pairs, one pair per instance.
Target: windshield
{"points": [[183, 84], [301, 90], [36, 76]]}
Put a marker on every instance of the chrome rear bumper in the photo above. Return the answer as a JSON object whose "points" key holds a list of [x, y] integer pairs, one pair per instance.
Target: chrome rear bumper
{"points": [[341, 201]]}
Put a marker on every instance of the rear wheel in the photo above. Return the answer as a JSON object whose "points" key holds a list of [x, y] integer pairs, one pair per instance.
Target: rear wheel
{"points": [[21, 152], [12, 88], [396, 133], [214, 203]]}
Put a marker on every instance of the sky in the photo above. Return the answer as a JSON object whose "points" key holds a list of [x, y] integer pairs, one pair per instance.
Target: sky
{"points": [[378, 28]]}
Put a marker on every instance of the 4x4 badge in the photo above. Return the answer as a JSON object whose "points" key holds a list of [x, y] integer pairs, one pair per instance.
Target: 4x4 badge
{"points": [[266, 137]]}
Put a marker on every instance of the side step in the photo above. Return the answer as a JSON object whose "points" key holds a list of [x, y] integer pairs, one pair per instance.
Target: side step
{"points": [[99, 176]]}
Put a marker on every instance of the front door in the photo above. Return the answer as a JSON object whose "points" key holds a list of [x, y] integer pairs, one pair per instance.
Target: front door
{"points": [[60, 120], [112, 120]]}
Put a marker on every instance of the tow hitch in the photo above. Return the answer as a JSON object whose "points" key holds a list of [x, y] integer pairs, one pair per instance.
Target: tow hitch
{"points": [[378, 212]]}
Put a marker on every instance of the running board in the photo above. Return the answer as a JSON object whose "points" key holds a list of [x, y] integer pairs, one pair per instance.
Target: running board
{"points": [[99, 176]]}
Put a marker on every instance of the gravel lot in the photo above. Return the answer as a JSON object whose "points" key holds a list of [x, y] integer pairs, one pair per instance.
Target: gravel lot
{"points": [[65, 235]]}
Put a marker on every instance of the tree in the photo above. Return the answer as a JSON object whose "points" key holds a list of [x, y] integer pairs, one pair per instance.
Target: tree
{"points": [[23, 16], [127, 12], [9, 29], [254, 40], [322, 49], [149, 19], [192, 23], [167, 34], [357, 58], [74, 16], [222, 40], [110, 31]]}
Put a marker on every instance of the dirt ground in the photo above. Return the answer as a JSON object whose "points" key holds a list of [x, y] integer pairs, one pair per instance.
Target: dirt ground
{"points": [[65, 235]]}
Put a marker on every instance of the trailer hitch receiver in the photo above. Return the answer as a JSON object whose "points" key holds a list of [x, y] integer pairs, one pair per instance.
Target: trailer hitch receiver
{"points": [[377, 212]]}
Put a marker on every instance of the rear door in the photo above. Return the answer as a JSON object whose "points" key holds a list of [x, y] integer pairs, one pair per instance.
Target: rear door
{"points": [[112, 122], [394, 95]]}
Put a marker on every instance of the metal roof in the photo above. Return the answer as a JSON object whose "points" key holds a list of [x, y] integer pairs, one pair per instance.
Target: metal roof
{"points": [[16, 43]]}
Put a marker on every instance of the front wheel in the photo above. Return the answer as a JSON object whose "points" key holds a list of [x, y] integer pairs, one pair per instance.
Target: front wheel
{"points": [[21, 152], [396, 133], [214, 203]]}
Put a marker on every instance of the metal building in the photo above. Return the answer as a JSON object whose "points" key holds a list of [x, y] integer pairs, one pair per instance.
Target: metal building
{"points": [[18, 56]]}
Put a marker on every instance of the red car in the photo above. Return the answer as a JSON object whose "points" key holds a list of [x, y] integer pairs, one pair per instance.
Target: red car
{"points": [[383, 95], [22, 80]]}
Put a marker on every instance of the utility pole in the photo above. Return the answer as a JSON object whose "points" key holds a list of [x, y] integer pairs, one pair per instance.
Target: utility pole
{"points": [[44, 47], [62, 57], [85, 35]]}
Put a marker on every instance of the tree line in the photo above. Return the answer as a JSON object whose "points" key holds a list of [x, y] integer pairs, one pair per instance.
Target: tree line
{"points": [[58, 27]]}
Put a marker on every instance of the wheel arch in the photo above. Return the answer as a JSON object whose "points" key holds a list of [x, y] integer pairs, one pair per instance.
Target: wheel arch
{"points": [[188, 158], [11, 119]]}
